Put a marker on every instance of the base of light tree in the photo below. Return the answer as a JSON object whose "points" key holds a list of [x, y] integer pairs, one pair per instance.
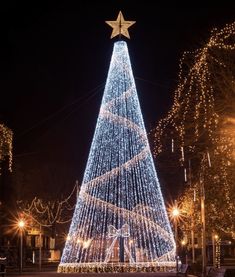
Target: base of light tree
{"points": [[114, 267]]}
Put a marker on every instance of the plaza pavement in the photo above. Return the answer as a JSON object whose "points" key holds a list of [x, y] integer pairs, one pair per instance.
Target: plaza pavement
{"points": [[55, 274]]}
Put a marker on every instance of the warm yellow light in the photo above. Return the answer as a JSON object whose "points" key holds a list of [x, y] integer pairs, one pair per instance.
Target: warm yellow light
{"points": [[216, 236], [87, 243], [6, 138], [175, 212], [198, 84], [183, 242], [68, 238], [21, 223]]}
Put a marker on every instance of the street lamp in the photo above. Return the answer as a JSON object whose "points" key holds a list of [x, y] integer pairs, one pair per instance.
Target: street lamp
{"points": [[216, 250], [203, 223], [184, 250], [21, 225], [175, 215]]}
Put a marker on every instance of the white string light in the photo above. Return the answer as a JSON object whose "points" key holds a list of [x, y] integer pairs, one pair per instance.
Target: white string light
{"points": [[120, 187]]}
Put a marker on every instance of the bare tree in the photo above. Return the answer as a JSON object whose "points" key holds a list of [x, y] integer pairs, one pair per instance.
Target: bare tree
{"points": [[199, 128]]}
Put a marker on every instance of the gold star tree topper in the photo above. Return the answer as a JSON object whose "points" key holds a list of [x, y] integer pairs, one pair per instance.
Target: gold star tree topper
{"points": [[120, 26]]}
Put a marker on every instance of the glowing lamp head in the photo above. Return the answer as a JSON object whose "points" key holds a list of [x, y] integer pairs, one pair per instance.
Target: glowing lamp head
{"points": [[175, 212], [183, 242], [21, 224]]}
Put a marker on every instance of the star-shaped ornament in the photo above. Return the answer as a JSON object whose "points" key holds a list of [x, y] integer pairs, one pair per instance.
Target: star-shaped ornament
{"points": [[120, 26]]}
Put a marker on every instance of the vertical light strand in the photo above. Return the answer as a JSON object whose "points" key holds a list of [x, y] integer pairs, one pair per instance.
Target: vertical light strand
{"points": [[209, 158], [185, 174], [120, 185], [182, 153]]}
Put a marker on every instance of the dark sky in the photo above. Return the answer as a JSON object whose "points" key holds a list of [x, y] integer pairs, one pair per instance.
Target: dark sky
{"points": [[54, 62]]}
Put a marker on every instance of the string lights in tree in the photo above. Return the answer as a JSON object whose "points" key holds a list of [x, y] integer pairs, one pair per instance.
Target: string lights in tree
{"points": [[120, 220], [194, 98], [6, 137], [200, 123]]}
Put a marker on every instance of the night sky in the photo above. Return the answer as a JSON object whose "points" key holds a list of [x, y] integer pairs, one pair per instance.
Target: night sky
{"points": [[54, 63]]}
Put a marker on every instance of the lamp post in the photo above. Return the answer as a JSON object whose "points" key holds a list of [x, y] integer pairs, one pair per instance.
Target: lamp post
{"points": [[214, 238], [192, 228], [216, 251], [40, 247], [175, 215], [184, 248], [203, 227], [21, 225]]}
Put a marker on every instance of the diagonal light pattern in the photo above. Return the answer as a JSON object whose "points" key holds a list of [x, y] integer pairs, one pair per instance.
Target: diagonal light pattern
{"points": [[120, 185]]}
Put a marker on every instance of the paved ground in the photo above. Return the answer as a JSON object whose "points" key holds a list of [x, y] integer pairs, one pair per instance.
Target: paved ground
{"points": [[54, 274], [49, 270]]}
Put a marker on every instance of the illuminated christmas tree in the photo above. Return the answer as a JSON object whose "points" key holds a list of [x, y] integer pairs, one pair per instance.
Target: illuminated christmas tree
{"points": [[120, 218]]}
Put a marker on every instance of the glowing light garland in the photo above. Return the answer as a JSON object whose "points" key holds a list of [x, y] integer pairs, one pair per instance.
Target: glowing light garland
{"points": [[6, 137], [48, 213], [120, 215]]}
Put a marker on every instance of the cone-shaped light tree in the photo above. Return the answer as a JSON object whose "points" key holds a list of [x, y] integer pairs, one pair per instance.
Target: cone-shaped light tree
{"points": [[120, 216]]}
